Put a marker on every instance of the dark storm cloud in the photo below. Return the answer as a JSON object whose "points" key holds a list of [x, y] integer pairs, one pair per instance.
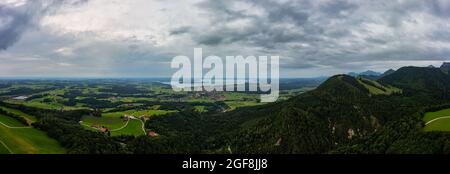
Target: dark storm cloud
{"points": [[306, 34], [329, 33], [292, 64], [16, 20], [178, 31], [210, 39], [14, 23], [266, 31]]}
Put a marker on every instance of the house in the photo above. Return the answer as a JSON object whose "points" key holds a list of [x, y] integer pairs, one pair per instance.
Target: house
{"points": [[127, 117], [152, 134], [103, 129], [144, 118], [95, 126]]}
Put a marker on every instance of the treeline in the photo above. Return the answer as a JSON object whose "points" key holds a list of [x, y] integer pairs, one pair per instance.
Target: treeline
{"points": [[107, 93], [125, 89], [65, 128], [98, 104], [435, 108], [404, 136], [26, 91], [212, 107], [73, 115], [15, 116], [5, 85], [78, 140]]}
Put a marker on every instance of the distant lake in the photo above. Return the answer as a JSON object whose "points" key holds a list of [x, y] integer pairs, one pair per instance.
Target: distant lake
{"points": [[20, 98], [199, 84]]}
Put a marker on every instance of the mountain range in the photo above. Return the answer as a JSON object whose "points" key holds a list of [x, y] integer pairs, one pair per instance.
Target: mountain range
{"points": [[365, 73], [445, 67], [369, 74]]}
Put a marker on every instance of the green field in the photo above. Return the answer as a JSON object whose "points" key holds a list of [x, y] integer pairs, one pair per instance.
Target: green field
{"points": [[200, 109], [11, 122], [439, 125], [116, 125], [25, 140], [113, 121], [442, 124], [28, 117], [37, 103], [376, 88], [107, 121], [134, 127], [237, 104], [3, 149]]}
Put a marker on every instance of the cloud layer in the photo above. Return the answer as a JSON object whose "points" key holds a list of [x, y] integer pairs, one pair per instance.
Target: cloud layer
{"points": [[139, 37]]}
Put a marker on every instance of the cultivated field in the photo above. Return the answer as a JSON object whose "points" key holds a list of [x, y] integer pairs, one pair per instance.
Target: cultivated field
{"points": [[118, 126], [20, 139], [437, 121]]}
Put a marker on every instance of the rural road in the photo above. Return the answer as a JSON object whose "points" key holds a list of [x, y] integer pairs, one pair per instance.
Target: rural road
{"points": [[124, 126], [143, 127], [118, 129], [436, 119], [7, 148], [12, 127]]}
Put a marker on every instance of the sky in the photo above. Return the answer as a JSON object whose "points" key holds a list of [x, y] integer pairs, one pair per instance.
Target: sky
{"points": [[139, 38]]}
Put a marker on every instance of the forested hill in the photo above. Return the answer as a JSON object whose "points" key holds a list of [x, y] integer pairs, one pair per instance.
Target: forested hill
{"points": [[343, 115], [339, 110], [426, 81]]}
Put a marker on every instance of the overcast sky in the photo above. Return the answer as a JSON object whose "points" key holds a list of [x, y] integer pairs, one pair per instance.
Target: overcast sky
{"points": [[138, 38]]}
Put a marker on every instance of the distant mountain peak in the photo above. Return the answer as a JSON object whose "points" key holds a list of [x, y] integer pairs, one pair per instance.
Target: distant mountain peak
{"points": [[445, 67], [341, 83], [365, 73], [388, 72], [419, 79], [355, 86]]}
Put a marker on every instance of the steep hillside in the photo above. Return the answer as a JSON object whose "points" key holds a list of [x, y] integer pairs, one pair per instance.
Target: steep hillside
{"points": [[416, 80], [352, 115], [376, 88], [337, 111], [445, 67], [343, 115]]}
